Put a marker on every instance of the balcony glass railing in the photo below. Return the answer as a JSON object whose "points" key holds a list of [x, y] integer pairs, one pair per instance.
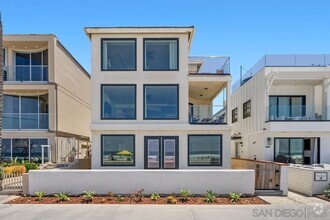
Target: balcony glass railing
{"points": [[26, 73], [210, 65], [207, 114], [17, 121], [295, 113]]}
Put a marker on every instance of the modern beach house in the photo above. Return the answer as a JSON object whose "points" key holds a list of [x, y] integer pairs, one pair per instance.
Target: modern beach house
{"points": [[46, 101], [280, 110], [153, 106]]}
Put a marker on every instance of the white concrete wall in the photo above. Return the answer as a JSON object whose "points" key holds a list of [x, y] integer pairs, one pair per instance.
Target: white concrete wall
{"points": [[169, 181]]}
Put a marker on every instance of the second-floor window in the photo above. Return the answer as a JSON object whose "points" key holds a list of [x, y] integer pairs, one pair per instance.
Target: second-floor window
{"points": [[161, 54], [118, 54], [234, 115], [287, 108], [30, 66], [247, 109], [118, 102], [161, 102]]}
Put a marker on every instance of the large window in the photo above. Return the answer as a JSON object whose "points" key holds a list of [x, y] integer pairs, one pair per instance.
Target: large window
{"points": [[118, 150], [247, 109], [287, 108], [161, 102], [118, 102], [30, 66], [118, 54], [290, 147], [204, 150], [234, 115], [161, 54], [25, 112]]}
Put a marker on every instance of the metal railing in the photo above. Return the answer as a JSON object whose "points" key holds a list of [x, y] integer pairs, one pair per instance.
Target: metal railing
{"points": [[21, 121], [207, 114], [295, 113], [26, 73]]}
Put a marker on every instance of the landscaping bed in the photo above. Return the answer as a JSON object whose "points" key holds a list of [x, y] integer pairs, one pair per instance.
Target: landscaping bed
{"points": [[196, 200]]}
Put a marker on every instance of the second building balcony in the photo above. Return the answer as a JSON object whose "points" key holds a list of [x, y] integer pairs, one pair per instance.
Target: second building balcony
{"points": [[26, 73], [207, 114], [25, 121]]}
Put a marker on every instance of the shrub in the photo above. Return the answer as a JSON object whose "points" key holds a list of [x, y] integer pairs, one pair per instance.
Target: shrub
{"points": [[137, 196], [14, 169], [30, 166], [40, 195], [210, 196], [88, 196], [234, 196], [327, 192], [154, 196], [62, 196], [185, 193], [110, 194], [120, 198], [171, 200]]}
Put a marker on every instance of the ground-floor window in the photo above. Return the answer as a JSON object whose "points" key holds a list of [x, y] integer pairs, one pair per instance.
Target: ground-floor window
{"points": [[293, 148], [204, 150], [117, 150], [24, 149]]}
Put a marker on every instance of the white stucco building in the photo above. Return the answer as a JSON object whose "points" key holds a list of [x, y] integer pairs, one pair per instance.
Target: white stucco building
{"points": [[281, 107], [153, 106]]}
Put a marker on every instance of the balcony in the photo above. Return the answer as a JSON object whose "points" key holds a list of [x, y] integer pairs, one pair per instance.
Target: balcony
{"points": [[295, 113], [26, 73], [207, 114], [25, 121], [202, 65]]}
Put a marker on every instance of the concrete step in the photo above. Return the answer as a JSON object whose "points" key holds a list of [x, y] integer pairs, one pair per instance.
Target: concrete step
{"points": [[11, 192], [268, 192]]}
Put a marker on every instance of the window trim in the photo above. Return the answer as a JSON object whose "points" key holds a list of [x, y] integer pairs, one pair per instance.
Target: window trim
{"points": [[155, 39], [177, 96], [118, 39], [289, 138], [232, 113], [101, 110], [244, 115], [102, 147], [221, 150]]}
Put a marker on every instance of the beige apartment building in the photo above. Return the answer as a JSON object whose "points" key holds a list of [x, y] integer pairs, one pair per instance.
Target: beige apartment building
{"points": [[46, 101], [153, 106]]}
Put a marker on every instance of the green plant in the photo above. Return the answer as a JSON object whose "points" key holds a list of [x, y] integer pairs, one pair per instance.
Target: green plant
{"points": [[137, 196], [110, 194], [120, 198], [88, 196], [154, 196], [30, 165], [327, 192], [210, 196], [185, 193], [171, 200], [234, 196], [40, 195], [62, 196]]}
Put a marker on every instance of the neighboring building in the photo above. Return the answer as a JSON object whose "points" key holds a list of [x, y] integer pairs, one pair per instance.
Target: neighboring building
{"points": [[281, 107], [46, 100], [152, 106]]}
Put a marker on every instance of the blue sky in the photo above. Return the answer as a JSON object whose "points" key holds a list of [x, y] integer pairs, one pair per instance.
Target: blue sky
{"points": [[245, 30]]}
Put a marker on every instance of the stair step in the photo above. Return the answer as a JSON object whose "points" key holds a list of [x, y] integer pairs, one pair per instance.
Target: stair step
{"points": [[269, 192]]}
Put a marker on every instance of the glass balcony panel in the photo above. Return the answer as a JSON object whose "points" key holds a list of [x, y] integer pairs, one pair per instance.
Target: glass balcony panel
{"points": [[35, 73], [294, 113], [207, 114], [29, 121], [10, 120]]}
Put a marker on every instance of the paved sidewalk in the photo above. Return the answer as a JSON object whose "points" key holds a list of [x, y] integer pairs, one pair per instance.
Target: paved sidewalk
{"points": [[293, 198], [6, 198]]}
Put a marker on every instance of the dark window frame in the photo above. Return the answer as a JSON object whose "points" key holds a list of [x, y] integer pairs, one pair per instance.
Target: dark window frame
{"points": [[221, 150], [234, 120], [114, 135], [119, 39], [289, 138], [101, 110], [286, 96], [155, 39], [161, 85], [245, 115]]}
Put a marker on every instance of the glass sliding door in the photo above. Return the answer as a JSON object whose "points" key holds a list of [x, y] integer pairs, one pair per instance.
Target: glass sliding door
{"points": [[293, 148], [20, 149], [287, 108], [36, 150], [161, 152]]}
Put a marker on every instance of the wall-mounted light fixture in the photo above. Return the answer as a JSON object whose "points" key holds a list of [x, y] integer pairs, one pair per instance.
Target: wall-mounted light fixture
{"points": [[269, 141]]}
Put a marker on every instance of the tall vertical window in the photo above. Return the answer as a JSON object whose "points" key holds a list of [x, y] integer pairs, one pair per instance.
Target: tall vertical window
{"points": [[290, 147], [161, 102], [31, 66], [204, 150], [118, 54], [118, 150], [247, 109], [234, 115], [118, 102], [161, 54]]}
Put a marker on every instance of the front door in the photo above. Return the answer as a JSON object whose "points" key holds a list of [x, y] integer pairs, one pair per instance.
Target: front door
{"points": [[161, 152]]}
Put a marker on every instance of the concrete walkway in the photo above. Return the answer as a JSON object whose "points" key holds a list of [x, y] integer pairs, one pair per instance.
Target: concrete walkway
{"points": [[293, 198]]}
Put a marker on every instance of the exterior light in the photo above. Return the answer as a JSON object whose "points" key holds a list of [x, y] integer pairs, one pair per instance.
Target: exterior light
{"points": [[269, 141]]}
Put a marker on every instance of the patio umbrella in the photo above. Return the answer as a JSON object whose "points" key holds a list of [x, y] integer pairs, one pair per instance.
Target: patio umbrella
{"points": [[124, 153]]}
